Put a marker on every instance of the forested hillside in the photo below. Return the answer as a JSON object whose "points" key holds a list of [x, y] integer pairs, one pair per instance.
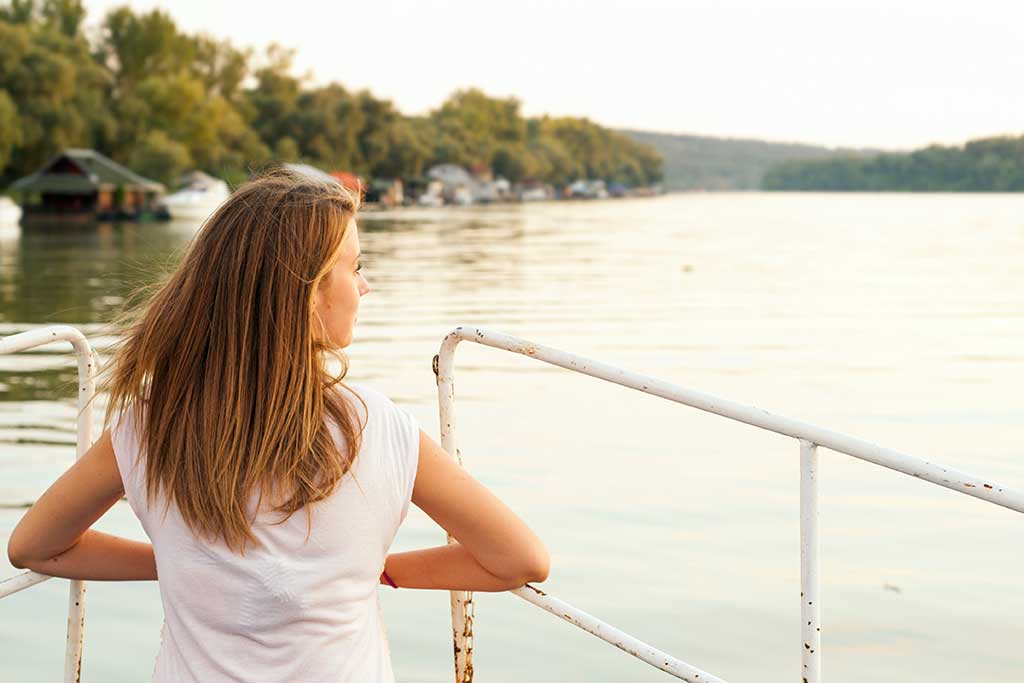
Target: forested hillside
{"points": [[985, 165], [695, 162]]}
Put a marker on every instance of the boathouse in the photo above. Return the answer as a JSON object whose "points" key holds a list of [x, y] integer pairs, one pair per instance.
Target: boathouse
{"points": [[82, 183], [385, 192]]}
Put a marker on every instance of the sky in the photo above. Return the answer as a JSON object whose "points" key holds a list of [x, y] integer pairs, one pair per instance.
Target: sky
{"points": [[899, 74]]}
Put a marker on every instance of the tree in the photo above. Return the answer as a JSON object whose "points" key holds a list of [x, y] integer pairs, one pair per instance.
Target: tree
{"points": [[64, 16], [150, 95], [221, 66], [135, 47], [471, 125], [57, 89], [10, 127], [18, 12], [161, 158], [984, 165]]}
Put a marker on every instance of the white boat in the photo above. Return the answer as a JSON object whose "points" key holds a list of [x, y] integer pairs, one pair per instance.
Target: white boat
{"points": [[10, 213], [431, 199], [462, 196], [534, 194], [588, 189], [197, 197]]}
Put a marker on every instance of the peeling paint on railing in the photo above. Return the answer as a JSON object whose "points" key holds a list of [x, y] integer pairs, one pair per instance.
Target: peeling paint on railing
{"points": [[614, 636], [20, 582], [87, 362], [810, 437]]}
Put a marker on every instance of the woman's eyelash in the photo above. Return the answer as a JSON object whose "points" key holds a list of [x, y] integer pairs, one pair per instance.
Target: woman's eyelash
{"points": [[359, 267]]}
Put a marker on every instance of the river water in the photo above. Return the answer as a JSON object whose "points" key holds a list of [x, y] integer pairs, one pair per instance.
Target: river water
{"points": [[895, 318]]}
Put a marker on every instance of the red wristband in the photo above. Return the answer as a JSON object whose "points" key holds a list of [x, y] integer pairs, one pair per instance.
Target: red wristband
{"points": [[387, 578]]}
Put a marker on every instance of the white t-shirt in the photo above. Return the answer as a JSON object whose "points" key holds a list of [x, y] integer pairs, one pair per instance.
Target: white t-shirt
{"points": [[287, 610]]}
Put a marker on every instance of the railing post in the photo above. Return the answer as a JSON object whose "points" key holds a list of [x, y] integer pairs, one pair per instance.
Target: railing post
{"points": [[87, 361], [462, 605], [810, 605], [810, 437]]}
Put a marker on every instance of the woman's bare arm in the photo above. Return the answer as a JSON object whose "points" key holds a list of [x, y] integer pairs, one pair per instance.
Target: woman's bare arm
{"points": [[54, 538], [496, 550]]}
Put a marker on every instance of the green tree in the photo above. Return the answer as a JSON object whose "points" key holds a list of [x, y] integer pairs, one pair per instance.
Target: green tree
{"points": [[471, 126], [286, 149], [159, 157], [10, 127], [984, 165], [57, 88], [135, 47], [272, 102], [221, 66], [150, 95], [64, 16], [18, 12]]}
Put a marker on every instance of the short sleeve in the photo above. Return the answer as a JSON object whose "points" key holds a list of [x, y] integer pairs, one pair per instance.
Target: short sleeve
{"points": [[124, 439], [408, 430], [393, 441]]}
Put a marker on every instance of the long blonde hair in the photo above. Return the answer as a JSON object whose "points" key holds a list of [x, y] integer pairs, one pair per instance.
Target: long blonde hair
{"points": [[227, 364]]}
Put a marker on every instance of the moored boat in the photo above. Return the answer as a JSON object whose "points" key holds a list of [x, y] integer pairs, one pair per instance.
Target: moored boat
{"points": [[10, 213], [197, 197]]}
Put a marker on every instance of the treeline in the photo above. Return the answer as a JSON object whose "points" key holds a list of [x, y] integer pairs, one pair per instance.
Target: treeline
{"points": [[985, 165], [162, 101]]}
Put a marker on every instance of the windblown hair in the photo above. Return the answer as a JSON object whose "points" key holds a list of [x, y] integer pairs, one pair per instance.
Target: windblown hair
{"points": [[225, 363]]}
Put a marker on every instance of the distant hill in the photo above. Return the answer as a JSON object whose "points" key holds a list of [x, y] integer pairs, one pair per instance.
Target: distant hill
{"points": [[993, 164], [694, 162]]}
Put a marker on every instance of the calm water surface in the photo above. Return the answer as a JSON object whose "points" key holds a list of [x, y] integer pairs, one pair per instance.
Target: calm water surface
{"points": [[896, 318]]}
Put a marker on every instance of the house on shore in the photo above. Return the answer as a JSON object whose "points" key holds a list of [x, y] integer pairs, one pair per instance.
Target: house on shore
{"points": [[350, 181], [83, 184], [456, 184], [386, 193], [585, 188]]}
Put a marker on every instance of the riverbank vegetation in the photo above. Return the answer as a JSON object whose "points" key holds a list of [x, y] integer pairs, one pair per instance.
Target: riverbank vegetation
{"points": [[985, 165], [162, 101]]}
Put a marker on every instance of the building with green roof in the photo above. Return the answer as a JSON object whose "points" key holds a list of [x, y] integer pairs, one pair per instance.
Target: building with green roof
{"points": [[85, 184]]}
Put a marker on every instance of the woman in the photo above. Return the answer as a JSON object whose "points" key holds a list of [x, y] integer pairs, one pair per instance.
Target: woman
{"points": [[270, 490]]}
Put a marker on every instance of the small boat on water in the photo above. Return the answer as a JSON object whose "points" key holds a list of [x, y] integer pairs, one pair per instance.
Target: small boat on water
{"points": [[430, 199], [10, 213], [197, 197]]}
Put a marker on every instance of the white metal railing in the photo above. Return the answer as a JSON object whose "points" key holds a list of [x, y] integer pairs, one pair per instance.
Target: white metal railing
{"points": [[86, 387], [809, 437]]}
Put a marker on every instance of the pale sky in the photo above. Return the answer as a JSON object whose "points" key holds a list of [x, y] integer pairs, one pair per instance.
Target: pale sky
{"points": [[897, 74]]}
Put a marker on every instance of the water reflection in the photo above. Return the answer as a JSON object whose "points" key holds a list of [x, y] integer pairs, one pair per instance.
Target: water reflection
{"points": [[78, 273]]}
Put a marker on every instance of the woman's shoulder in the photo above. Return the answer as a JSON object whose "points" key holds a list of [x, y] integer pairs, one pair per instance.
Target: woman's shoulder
{"points": [[375, 399], [384, 407], [124, 422]]}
